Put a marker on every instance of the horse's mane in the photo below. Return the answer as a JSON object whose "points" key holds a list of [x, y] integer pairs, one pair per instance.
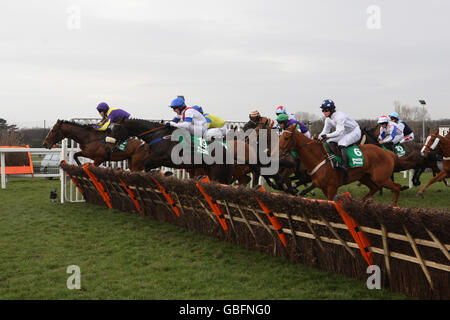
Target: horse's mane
{"points": [[142, 123], [77, 124]]}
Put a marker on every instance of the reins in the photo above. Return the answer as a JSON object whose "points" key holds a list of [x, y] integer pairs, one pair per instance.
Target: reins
{"points": [[313, 171], [150, 131]]}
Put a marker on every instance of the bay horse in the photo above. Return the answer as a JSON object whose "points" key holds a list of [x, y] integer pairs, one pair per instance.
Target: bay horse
{"points": [[290, 168], [158, 138], [413, 160], [93, 146], [442, 145], [376, 172]]}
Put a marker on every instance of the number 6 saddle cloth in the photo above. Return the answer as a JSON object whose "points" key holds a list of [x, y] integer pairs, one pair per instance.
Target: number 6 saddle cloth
{"points": [[354, 153]]}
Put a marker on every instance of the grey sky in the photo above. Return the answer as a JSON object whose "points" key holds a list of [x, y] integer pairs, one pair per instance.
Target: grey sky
{"points": [[230, 57]]}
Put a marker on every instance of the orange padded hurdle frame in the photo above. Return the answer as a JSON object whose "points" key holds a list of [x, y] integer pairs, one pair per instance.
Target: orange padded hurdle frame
{"points": [[19, 169]]}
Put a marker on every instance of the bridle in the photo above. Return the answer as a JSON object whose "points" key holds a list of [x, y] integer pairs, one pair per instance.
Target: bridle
{"points": [[292, 133], [426, 146], [316, 168]]}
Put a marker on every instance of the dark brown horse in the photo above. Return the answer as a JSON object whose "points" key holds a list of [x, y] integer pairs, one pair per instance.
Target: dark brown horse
{"points": [[442, 145], [376, 172], [160, 144], [93, 146]]}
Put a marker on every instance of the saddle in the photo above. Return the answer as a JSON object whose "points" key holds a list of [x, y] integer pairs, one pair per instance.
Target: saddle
{"points": [[200, 145], [354, 155], [397, 149]]}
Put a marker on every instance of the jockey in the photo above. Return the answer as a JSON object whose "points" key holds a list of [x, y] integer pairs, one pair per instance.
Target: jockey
{"points": [[282, 110], [408, 134], [284, 122], [187, 118], [390, 133], [254, 115], [109, 116], [217, 127], [347, 130]]}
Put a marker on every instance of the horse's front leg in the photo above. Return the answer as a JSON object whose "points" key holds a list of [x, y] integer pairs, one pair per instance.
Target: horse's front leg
{"points": [[441, 175], [76, 155], [307, 190]]}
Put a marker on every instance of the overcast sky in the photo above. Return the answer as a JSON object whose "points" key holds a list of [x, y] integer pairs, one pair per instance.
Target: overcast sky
{"points": [[59, 59]]}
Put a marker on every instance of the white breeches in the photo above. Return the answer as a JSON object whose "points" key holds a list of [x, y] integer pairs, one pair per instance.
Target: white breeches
{"points": [[347, 139]]}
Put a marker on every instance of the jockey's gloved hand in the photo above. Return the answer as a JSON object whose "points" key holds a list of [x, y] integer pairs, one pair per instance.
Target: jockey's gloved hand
{"points": [[167, 124], [323, 137]]}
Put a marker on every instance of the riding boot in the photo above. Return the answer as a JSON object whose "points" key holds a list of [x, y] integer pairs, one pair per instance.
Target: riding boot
{"points": [[344, 165]]}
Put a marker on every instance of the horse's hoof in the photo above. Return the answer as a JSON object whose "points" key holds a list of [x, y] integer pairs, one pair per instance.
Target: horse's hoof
{"points": [[418, 194], [404, 188]]}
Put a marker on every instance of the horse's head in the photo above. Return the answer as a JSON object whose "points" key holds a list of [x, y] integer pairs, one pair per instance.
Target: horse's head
{"points": [[258, 122], [431, 142], [54, 136], [252, 123], [286, 142]]}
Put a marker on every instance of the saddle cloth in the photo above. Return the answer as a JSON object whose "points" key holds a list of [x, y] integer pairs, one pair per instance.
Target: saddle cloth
{"points": [[200, 144], [354, 153], [398, 149]]}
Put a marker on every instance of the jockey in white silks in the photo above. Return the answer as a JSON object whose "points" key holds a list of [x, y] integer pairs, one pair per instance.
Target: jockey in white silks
{"points": [[408, 134], [390, 133], [347, 130], [187, 118]]}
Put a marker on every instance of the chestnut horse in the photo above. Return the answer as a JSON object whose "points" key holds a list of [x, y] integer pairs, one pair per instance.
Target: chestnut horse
{"points": [[93, 146], [288, 164], [376, 172], [442, 145]]}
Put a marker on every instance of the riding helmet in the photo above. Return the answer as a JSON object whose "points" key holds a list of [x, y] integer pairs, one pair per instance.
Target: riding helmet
{"points": [[280, 110], [102, 106], [282, 117], [394, 115], [177, 102], [383, 119], [328, 105]]}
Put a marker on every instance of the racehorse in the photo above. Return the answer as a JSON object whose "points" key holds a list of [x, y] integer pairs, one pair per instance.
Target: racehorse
{"points": [[413, 159], [433, 141], [375, 173], [158, 138], [93, 146], [289, 165]]}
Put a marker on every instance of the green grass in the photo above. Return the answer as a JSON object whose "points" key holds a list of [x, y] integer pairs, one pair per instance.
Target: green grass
{"points": [[126, 256]]}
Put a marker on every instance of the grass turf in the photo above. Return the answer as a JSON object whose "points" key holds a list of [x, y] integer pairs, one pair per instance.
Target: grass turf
{"points": [[126, 256]]}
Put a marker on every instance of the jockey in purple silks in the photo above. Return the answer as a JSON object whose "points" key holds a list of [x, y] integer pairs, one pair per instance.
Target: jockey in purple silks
{"points": [[109, 116], [284, 122]]}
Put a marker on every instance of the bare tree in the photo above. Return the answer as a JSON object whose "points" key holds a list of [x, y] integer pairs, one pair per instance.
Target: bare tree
{"points": [[408, 113], [306, 116]]}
